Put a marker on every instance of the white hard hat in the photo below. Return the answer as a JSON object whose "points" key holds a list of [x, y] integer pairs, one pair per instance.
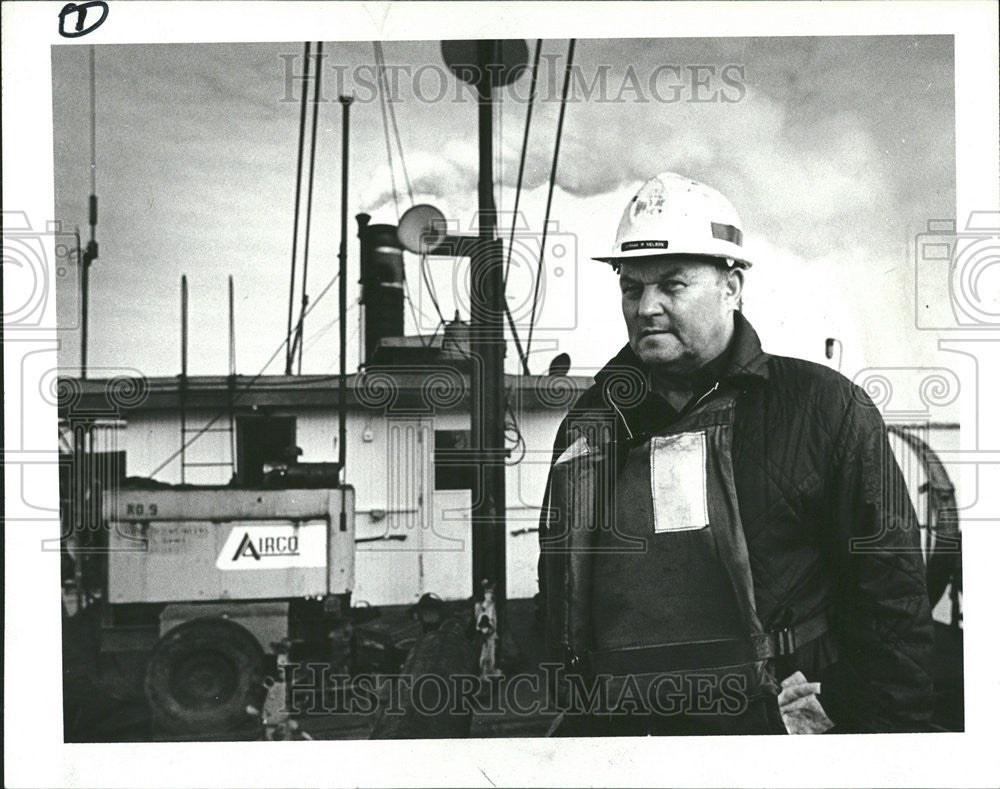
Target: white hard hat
{"points": [[673, 215]]}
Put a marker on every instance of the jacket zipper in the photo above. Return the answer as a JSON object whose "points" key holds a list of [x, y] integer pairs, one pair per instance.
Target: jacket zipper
{"points": [[689, 408], [621, 416], [684, 412]]}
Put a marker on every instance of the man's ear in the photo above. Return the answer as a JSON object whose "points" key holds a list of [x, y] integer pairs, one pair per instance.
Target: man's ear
{"points": [[733, 285]]}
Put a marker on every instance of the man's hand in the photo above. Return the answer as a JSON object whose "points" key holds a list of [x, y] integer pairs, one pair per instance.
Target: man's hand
{"points": [[800, 709]]}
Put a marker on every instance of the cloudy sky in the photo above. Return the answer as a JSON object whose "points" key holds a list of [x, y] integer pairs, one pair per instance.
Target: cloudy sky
{"points": [[836, 152]]}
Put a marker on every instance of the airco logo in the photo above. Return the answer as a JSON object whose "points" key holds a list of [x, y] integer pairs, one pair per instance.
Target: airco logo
{"points": [[266, 546], [273, 546]]}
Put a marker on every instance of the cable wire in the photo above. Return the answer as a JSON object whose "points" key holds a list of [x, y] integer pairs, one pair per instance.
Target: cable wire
{"points": [[517, 437], [318, 334], [522, 355], [429, 284], [524, 155], [380, 72], [552, 186], [298, 199], [247, 386], [380, 59], [309, 201], [413, 310]]}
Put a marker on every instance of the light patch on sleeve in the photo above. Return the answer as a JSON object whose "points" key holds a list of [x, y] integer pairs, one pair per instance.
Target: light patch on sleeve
{"points": [[577, 449], [679, 484]]}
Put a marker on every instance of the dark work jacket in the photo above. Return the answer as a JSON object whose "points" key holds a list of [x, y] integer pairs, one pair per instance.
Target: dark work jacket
{"points": [[828, 522]]}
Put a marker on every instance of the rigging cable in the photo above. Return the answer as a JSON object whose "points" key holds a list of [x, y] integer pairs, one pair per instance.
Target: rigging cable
{"points": [[429, 283], [524, 155], [517, 202], [247, 386], [385, 127], [389, 116], [299, 339], [552, 186], [513, 433], [318, 334], [413, 311], [298, 198], [498, 163], [380, 59]]}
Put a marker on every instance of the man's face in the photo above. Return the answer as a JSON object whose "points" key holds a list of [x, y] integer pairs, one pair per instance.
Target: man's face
{"points": [[678, 310]]}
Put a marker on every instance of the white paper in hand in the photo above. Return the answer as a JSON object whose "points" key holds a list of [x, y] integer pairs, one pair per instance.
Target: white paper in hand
{"points": [[800, 708]]}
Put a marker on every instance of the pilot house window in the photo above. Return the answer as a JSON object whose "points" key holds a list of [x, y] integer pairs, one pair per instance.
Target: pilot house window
{"points": [[260, 440]]}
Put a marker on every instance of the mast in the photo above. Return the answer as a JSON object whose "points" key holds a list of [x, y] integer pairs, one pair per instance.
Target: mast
{"points": [[182, 389], [345, 103], [300, 330], [295, 223], [90, 253], [489, 547]]}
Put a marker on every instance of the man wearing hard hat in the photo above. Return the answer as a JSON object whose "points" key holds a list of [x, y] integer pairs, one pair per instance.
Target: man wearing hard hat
{"points": [[727, 544]]}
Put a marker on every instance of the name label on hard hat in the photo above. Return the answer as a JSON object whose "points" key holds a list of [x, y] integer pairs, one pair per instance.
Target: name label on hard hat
{"points": [[252, 546], [628, 246]]}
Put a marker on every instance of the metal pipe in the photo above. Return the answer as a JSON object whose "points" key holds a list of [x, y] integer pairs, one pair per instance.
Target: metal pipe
{"points": [[382, 276], [363, 350], [93, 122], [83, 306], [90, 255], [231, 383], [295, 221], [301, 330], [232, 330], [487, 345], [345, 102], [184, 367], [184, 325]]}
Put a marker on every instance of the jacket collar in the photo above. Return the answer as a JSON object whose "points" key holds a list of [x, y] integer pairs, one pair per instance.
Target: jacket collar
{"points": [[746, 358], [623, 383]]}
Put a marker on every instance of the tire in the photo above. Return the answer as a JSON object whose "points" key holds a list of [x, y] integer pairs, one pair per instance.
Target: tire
{"points": [[201, 677]]}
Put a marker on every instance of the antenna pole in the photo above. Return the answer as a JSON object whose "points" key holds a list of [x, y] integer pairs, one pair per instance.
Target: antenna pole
{"points": [[232, 329], [300, 331], [184, 367], [90, 254], [489, 548], [231, 383], [345, 103], [289, 351], [83, 305]]}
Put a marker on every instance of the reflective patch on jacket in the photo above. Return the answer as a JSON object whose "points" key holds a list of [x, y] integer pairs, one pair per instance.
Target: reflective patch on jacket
{"points": [[679, 482], [577, 449]]}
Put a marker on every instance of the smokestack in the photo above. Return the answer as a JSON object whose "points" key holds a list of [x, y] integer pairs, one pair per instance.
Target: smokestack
{"points": [[381, 283]]}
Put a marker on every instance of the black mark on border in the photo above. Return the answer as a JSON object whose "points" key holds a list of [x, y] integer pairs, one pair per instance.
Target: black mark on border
{"points": [[81, 11]]}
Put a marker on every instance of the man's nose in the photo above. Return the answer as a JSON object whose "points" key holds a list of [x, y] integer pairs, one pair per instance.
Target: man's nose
{"points": [[650, 302]]}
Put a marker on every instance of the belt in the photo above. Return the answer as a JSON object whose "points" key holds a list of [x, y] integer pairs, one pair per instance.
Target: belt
{"points": [[711, 653]]}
